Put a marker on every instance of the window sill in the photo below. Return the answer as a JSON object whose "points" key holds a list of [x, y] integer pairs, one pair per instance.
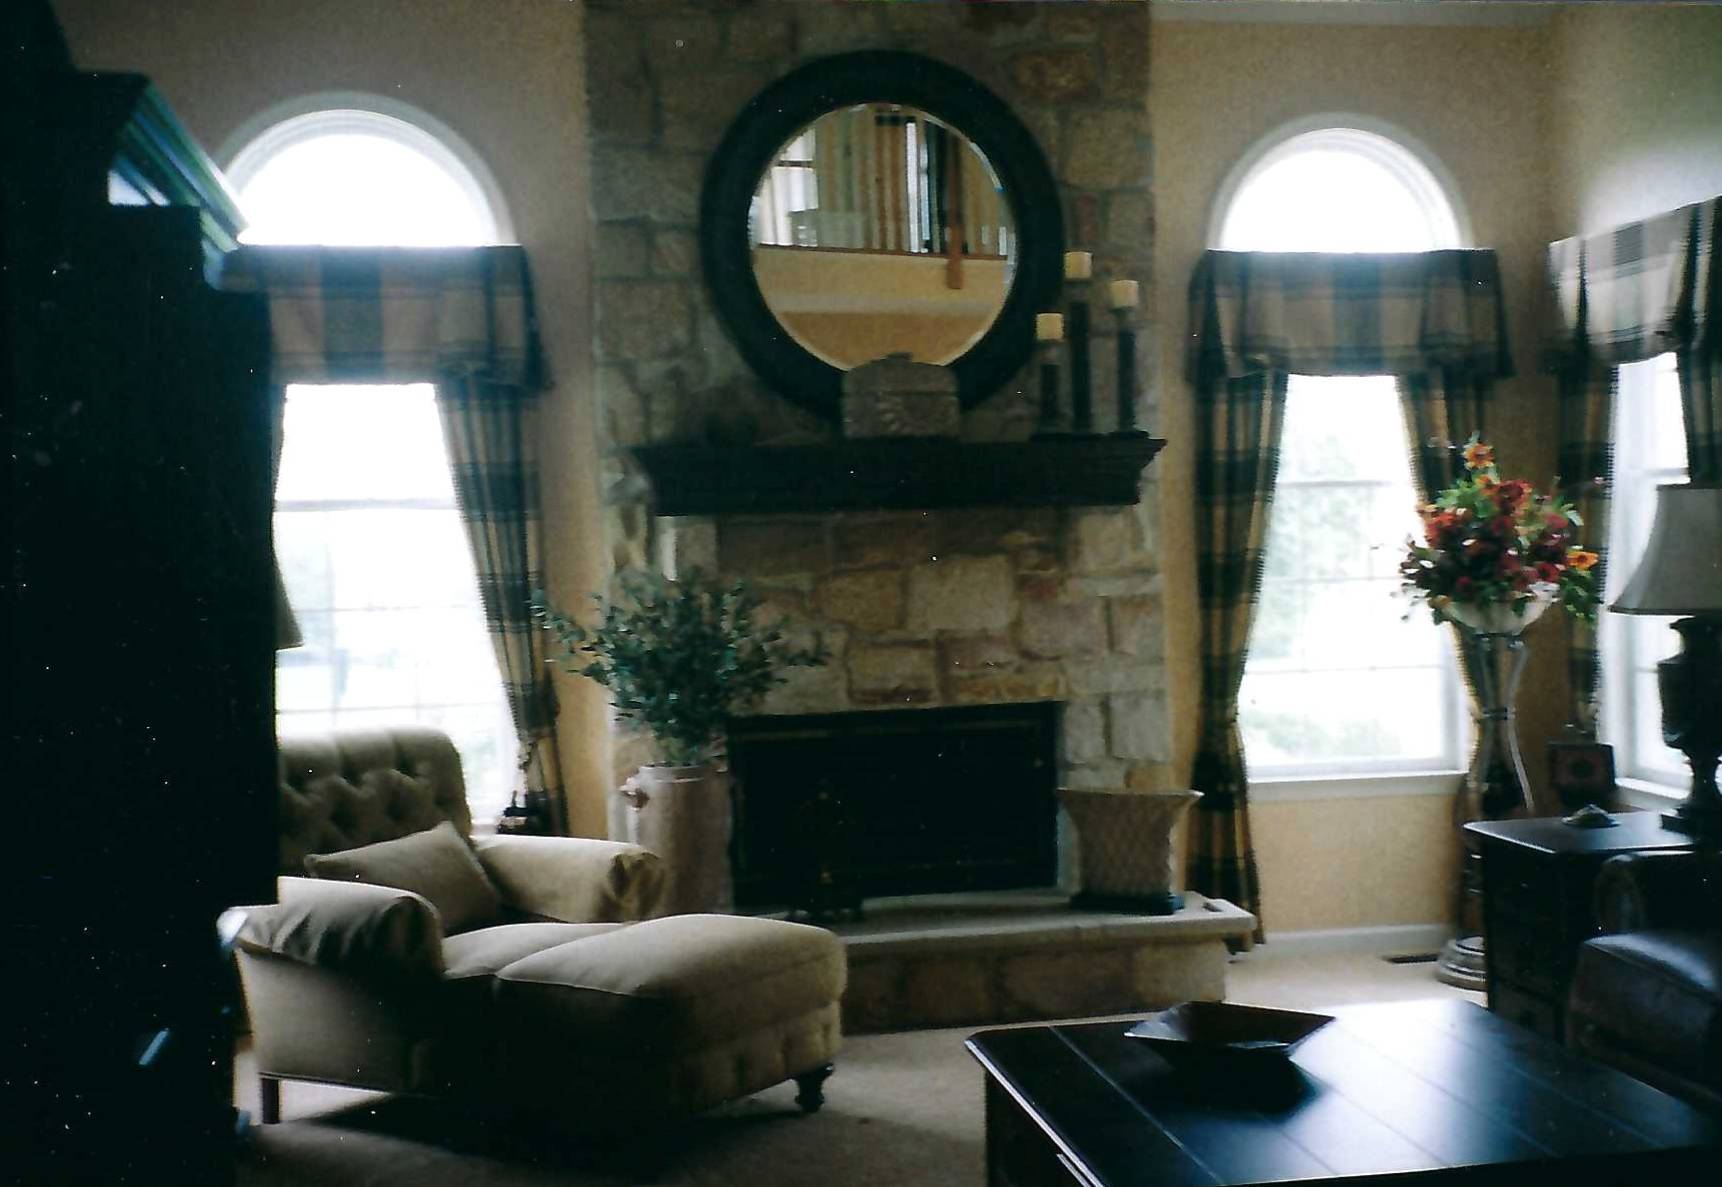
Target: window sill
{"points": [[1290, 789], [1648, 796]]}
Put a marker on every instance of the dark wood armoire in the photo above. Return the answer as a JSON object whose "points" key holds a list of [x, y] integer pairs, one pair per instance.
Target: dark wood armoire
{"points": [[138, 770]]}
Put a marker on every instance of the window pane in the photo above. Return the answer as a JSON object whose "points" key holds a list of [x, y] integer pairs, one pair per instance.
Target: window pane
{"points": [[381, 579], [1650, 450], [1339, 674]]}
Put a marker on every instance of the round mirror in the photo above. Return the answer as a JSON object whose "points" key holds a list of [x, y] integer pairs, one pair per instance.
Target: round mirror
{"points": [[879, 203], [881, 229]]}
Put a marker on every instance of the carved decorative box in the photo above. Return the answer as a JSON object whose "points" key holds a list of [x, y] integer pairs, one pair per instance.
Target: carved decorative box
{"points": [[898, 397]]}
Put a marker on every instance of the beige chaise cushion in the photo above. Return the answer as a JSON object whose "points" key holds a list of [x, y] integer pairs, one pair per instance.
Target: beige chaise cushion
{"points": [[669, 986], [435, 864]]}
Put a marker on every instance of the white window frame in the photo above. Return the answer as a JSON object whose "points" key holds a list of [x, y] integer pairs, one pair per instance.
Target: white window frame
{"points": [[1621, 636], [1433, 189], [258, 141]]}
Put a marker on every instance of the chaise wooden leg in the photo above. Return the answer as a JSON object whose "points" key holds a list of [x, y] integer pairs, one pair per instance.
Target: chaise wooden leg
{"points": [[269, 1090], [810, 1088]]}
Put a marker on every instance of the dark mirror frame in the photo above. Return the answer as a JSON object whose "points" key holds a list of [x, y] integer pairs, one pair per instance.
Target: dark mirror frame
{"points": [[877, 76]]}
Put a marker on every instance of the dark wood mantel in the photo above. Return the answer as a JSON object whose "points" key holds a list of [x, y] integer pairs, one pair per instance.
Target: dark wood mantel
{"points": [[898, 474]]}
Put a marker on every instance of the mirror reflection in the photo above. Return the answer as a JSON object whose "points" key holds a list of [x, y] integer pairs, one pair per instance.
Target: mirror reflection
{"points": [[879, 229]]}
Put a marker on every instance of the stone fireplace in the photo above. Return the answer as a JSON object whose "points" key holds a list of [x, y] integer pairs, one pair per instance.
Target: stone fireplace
{"points": [[920, 610]]}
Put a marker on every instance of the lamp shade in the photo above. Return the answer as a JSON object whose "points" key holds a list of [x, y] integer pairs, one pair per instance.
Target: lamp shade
{"points": [[1681, 573]]}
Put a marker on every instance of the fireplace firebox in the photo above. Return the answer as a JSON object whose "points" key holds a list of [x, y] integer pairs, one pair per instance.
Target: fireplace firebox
{"points": [[834, 808]]}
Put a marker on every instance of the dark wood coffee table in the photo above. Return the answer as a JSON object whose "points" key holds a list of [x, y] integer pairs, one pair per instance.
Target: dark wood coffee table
{"points": [[1425, 1092]]}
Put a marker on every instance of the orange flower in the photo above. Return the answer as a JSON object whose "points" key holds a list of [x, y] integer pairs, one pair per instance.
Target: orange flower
{"points": [[1581, 560], [1486, 483], [1479, 456]]}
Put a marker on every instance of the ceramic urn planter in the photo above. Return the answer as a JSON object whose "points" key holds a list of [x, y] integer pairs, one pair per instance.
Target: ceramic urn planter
{"points": [[1125, 847], [683, 815]]}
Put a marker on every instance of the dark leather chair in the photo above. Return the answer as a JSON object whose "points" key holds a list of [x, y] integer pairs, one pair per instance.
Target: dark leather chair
{"points": [[1647, 994]]}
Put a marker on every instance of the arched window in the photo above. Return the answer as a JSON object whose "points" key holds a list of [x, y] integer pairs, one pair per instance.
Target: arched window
{"points": [[368, 536], [1339, 680]]}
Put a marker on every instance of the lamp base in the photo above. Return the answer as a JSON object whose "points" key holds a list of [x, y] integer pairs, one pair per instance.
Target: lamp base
{"points": [[1702, 825]]}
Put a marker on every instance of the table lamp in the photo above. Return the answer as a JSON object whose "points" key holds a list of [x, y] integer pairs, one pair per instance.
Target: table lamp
{"points": [[1681, 577]]}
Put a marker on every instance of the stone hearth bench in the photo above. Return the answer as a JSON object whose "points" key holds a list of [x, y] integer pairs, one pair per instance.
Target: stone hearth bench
{"points": [[958, 960]]}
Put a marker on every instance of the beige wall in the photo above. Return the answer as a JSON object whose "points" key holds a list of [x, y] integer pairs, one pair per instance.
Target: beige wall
{"points": [[509, 77], [1475, 98], [1638, 112]]}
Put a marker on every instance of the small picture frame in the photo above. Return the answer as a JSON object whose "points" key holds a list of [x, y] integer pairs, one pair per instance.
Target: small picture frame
{"points": [[1582, 772]]}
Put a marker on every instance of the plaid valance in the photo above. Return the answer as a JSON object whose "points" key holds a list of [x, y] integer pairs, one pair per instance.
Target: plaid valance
{"points": [[395, 314], [1346, 314], [1639, 290]]}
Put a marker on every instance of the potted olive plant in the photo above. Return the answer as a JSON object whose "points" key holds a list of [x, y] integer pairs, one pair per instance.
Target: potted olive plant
{"points": [[680, 657]]}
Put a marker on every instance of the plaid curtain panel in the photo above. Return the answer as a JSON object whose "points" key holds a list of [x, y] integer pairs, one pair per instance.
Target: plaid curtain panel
{"points": [[462, 319], [1442, 408], [492, 446], [394, 314], [1238, 430], [1434, 319], [1639, 291], [1320, 314]]}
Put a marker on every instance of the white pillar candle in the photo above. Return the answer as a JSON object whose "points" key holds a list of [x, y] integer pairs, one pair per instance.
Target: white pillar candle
{"points": [[1049, 327], [1125, 294], [1078, 265]]}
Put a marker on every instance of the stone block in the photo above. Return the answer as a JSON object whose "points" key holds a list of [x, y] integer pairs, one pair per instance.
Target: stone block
{"points": [[633, 183], [995, 529], [1065, 982], [699, 103], [949, 992], [1166, 974], [1130, 231], [1101, 775], [892, 674], [973, 655], [1040, 587], [1063, 74], [675, 253], [896, 540], [693, 545], [1046, 127], [872, 998], [618, 90], [813, 690], [822, 29], [1036, 561], [639, 319], [757, 35], [1107, 150], [960, 593], [772, 547], [1110, 674], [1125, 65], [1105, 541], [684, 42], [1129, 584], [1138, 627], [1083, 732], [1058, 630], [619, 251], [1085, 228], [1072, 22], [871, 600], [1038, 682], [1141, 728]]}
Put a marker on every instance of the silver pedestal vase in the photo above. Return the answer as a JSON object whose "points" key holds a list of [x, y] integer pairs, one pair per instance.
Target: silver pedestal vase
{"points": [[1496, 785]]}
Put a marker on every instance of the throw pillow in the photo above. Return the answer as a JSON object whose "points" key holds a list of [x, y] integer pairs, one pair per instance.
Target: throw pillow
{"points": [[435, 864]]}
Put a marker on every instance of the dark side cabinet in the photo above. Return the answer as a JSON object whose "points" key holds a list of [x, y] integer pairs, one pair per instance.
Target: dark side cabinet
{"points": [[139, 631], [1539, 879]]}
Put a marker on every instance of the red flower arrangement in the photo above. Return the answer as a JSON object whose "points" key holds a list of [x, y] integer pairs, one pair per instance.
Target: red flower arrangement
{"points": [[1492, 543]]}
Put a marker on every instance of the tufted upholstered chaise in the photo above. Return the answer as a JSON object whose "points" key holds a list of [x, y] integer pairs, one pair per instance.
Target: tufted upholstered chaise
{"points": [[577, 1001]]}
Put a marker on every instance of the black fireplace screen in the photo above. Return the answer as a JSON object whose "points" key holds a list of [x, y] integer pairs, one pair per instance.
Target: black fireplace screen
{"points": [[831, 808]]}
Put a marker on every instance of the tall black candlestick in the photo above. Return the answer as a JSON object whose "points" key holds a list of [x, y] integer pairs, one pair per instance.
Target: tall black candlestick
{"points": [[1081, 397], [1048, 389], [1126, 372]]}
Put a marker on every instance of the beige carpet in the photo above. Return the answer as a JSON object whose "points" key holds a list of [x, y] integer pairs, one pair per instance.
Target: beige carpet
{"points": [[902, 1109]]}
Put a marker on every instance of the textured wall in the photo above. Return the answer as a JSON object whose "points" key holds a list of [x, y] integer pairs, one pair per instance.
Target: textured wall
{"points": [[920, 609]]}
